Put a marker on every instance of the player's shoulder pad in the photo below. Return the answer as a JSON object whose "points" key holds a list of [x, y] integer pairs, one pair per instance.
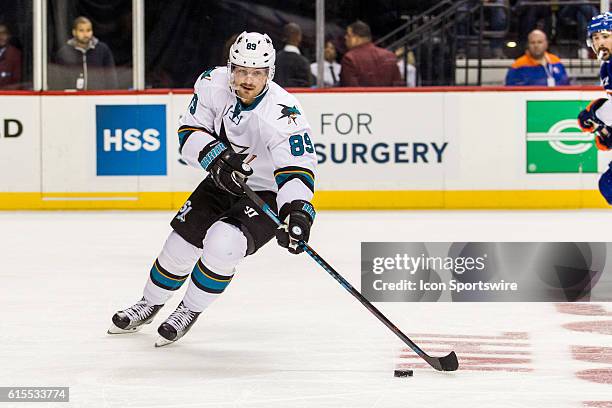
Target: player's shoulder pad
{"points": [[285, 111], [212, 77]]}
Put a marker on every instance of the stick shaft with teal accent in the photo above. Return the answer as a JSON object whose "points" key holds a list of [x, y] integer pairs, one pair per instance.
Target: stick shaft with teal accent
{"points": [[446, 363]]}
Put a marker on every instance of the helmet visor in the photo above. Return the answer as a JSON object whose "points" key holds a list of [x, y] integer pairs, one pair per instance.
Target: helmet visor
{"points": [[244, 72]]}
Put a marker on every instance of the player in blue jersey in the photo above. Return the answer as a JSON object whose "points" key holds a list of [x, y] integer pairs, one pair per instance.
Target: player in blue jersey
{"points": [[597, 117]]}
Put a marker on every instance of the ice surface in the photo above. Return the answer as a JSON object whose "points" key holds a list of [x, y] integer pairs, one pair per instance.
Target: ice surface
{"points": [[285, 334]]}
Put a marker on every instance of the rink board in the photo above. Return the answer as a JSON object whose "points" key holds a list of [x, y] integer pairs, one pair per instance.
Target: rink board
{"points": [[376, 150]]}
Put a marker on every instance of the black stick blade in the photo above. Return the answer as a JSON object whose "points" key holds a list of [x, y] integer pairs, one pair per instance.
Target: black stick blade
{"points": [[446, 363]]}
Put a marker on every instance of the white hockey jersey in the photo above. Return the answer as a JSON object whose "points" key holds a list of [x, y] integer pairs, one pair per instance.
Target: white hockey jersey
{"points": [[272, 135]]}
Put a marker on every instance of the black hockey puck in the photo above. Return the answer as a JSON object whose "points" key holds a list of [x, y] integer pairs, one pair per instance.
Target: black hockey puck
{"points": [[403, 373]]}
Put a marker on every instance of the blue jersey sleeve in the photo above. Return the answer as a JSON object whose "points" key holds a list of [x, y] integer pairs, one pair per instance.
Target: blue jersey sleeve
{"points": [[604, 74]]}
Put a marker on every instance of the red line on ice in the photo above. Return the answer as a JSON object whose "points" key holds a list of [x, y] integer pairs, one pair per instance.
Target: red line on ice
{"points": [[465, 360], [582, 309], [471, 350], [596, 375], [592, 354], [597, 404], [468, 367], [471, 343], [601, 327], [504, 336]]}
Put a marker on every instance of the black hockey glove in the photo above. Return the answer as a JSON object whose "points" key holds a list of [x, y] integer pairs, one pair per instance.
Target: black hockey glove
{"points": [[587, 120], [224, 165], [604, 141], [298, 217]]}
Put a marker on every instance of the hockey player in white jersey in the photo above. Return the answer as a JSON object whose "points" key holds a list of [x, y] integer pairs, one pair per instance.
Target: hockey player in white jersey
{"points": [[239, 124]]}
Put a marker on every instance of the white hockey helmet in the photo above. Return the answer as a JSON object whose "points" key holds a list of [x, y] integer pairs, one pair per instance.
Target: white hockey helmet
{"points": [[252, 50]]}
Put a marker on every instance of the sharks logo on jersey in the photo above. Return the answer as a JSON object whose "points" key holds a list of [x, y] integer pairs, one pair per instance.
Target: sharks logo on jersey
{"points": [[289, 112], [241, 150], [233, 113], [206, 74], [245, 157]]}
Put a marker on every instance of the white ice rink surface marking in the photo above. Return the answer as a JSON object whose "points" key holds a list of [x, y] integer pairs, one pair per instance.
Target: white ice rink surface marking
{"points": [[285, 334]]}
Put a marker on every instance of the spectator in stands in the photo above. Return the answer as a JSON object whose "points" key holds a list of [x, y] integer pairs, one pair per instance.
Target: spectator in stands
{"points": [[532, 17], [10, 61], [498, 23], [366, 64], [496, 16], [331, 69], [292, 68], [537, 67], [580, 14], [464, 26], [410, 70], [84, 62]]}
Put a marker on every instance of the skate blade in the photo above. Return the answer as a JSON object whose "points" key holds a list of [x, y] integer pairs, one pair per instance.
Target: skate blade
{"points": [[161, 342], [116, 330]]}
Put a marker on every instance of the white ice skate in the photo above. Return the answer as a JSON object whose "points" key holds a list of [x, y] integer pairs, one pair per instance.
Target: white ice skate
{"points": [[176, 325], [134, 317]]}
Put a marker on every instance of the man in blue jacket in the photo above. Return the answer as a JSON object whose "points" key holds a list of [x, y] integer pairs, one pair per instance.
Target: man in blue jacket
{"points": [[537, 67]]}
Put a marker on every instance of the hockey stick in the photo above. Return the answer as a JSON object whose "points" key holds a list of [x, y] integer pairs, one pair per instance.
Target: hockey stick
{"points": [[446, 363]]}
